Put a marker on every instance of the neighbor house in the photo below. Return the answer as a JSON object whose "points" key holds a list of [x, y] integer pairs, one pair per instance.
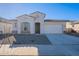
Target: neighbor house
{"points": [[69, 26], [35, 23], [76, 26], [73, 25], [5, 26]]}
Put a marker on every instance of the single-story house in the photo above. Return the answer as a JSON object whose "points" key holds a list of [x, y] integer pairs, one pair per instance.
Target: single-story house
{"points": [[73, 25], [35, 23], [5, 26], [76, 26]]}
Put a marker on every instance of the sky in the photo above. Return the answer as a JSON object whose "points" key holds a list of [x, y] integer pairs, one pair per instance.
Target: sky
{"points": [[64, 11]]}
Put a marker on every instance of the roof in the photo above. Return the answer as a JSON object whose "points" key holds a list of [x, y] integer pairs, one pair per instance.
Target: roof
{"points": [[25, 15], [76, 22], [1, 18], [55, 20], [13, 21], [4, 20], [32, 15], [37, 12]]}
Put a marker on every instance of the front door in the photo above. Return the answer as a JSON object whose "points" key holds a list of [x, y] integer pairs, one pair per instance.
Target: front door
{"points": [[37, 28]]}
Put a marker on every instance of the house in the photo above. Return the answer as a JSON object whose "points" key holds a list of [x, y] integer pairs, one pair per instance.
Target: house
{"points": [[55, 26], [69, 26], [5, 26], [35, 23], [76, 26], [72, 26]]}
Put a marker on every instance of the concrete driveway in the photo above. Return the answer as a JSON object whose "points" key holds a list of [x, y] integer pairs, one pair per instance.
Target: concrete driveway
{"points": [[62, 45]]}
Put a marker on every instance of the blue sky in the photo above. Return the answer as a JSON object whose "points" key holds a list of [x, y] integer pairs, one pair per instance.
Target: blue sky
{"points": [[52, 11]]}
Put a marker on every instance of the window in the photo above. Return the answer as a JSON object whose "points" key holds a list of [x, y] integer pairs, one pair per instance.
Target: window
{"points": [[25, 27]]}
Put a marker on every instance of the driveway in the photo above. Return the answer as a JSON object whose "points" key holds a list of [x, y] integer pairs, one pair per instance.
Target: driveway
{"points": [[62, 45]]}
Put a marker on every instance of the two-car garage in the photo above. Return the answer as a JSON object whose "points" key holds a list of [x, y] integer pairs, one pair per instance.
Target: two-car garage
{"points": [[53, 27]]}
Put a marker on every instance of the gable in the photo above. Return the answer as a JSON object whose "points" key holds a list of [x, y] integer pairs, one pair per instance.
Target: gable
{"points": [[38, 14], [24, 17]]}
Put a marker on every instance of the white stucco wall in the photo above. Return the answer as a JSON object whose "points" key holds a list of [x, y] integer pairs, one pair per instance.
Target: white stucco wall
{"points": [[39, 18], [32, 19], [68, 25], [41, 21], [25, 19]]}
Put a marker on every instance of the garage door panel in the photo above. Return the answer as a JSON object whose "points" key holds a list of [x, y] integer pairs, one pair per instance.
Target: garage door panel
{"points": [[53, 28]]}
